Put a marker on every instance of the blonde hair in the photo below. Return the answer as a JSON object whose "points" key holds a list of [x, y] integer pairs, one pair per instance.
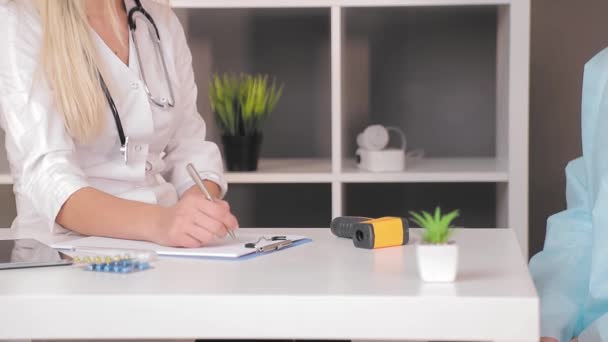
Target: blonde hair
{"points": [[69, 63]]}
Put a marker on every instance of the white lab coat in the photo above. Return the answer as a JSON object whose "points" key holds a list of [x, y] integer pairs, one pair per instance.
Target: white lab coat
{"points": [[48, 166]]}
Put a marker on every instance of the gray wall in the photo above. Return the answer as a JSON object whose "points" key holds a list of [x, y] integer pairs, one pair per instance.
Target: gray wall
{"points": [[565, 34], [432, 73]]}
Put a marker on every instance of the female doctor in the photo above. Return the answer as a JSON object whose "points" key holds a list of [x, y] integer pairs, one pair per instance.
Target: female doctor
{"points": [[571, 273], [101, 122]]}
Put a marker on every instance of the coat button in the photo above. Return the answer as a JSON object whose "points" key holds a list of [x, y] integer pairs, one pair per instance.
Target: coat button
{"points": [[134, 86], [138, 148]]}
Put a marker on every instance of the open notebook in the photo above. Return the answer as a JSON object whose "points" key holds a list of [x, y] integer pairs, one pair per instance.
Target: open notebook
{"points": [[224, 248]]}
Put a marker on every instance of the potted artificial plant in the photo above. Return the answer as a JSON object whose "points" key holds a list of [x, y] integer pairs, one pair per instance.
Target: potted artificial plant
{"points": [[240, 105], [437, 255]]}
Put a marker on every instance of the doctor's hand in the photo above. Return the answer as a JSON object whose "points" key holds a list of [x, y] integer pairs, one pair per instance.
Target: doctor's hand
{"points": [[194, 222]]}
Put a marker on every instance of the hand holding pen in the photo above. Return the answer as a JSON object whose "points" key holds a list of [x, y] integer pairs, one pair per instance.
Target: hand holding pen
{"points": [[199, 182], [195, 221]]}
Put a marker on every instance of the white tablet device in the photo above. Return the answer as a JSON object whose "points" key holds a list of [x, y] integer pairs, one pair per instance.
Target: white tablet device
{"points": [[22, 253]]}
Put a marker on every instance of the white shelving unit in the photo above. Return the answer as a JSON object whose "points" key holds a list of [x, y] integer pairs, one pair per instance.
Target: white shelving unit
{"points": [[330, 3], [507, 169]]}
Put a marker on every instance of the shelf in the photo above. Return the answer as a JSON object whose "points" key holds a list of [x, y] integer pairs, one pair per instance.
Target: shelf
{"points": [[285, 171], [248, 3], [433, 170], [327, 3], [269, 171], [5, 178], [398, 3], [427, 170]]}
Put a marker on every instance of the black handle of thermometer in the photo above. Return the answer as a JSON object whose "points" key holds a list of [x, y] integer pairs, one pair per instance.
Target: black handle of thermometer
{"points": [[344, 226]]}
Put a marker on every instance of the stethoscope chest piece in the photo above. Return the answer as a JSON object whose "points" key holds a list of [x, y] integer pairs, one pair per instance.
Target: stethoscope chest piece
{"points": [[124, 150]]}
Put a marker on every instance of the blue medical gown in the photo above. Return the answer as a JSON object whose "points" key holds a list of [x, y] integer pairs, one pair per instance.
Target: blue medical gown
{"points": [[571, 273]]}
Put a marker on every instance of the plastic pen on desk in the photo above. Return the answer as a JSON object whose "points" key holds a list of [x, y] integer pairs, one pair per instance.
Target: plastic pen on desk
{"points": [[199, 182]]}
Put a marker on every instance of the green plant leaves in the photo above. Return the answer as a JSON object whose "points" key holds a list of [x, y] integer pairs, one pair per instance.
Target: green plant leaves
{"points": [[241, 104], [222, 91], [437, 227]]}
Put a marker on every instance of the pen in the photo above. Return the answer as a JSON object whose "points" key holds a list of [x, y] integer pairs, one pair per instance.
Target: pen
{"points": [[199, 182]]}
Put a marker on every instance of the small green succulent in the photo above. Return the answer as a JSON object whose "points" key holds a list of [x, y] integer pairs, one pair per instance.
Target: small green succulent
{"points": [[242, 103], [437, 228]]}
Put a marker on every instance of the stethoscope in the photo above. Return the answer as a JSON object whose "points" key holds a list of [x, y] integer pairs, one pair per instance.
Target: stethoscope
{"points": [[161, 102]]}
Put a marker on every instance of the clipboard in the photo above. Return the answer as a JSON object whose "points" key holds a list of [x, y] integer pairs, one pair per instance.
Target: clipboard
{"points": [[246, 246]]}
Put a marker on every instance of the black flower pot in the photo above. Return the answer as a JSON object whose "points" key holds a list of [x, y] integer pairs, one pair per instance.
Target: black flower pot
{"points": [[242, 152]]}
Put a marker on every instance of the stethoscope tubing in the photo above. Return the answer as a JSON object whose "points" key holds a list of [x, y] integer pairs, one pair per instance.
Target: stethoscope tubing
{"points": [[124, 139], [139, 8]]}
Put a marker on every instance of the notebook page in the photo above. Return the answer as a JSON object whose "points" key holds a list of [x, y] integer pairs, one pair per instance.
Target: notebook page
{"points": [[224, 248]]}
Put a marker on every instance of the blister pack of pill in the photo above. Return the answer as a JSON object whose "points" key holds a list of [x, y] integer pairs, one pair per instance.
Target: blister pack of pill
{"points": [[121, 266], [118, 264]]}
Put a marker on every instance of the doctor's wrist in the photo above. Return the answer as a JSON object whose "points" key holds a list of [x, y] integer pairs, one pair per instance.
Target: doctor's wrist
{"points": [[214, 190], [160, 222]]}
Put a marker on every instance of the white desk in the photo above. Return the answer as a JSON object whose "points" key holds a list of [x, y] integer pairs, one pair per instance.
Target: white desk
{"points": [[322, 290]]}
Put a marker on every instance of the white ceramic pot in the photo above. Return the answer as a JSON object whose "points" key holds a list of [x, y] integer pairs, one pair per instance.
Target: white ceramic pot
{"points": [[437, 263]]}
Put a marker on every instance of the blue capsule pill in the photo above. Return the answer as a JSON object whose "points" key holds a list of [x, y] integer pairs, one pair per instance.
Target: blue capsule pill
{"points": [[91, 267], [126, 269], [107, 268], [98, 267], [143, 266]]}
